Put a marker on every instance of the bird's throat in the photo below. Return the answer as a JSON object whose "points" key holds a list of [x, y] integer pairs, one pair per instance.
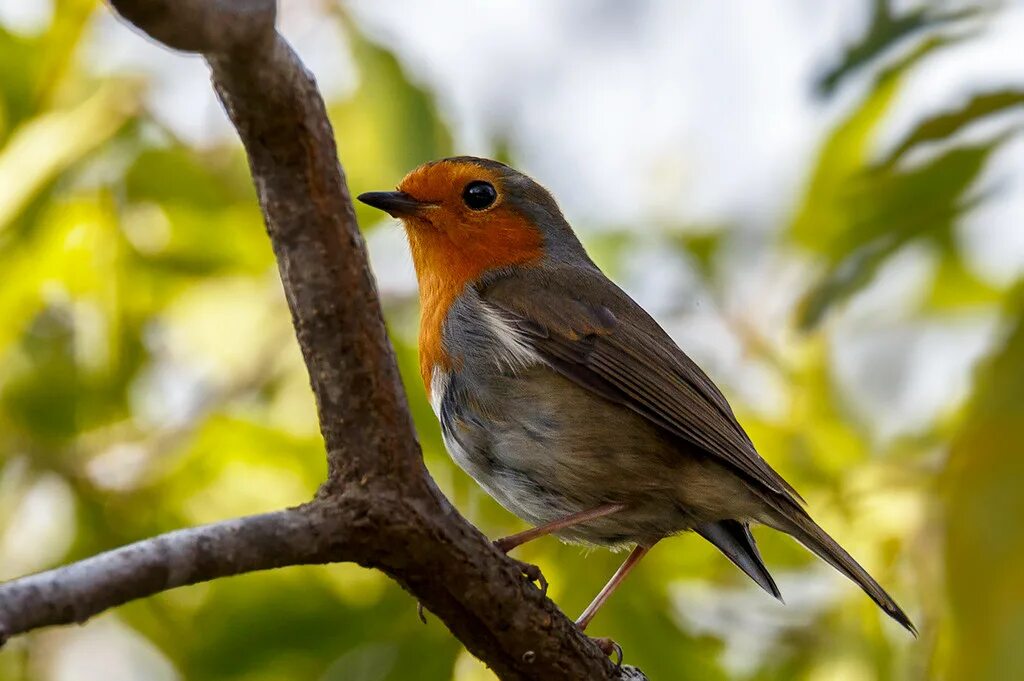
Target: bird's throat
{"points": [[445, 268]]}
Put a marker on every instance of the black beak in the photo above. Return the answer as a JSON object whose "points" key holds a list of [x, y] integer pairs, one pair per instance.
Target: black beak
{"points": [[395, 204]]}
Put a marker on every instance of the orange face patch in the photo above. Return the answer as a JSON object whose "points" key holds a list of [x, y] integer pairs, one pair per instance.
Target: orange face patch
{"points": [[453, 245]]}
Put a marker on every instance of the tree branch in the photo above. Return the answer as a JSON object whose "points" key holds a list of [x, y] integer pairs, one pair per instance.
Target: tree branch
{"points": [[378, 507], [280, 116], [78, 591]]}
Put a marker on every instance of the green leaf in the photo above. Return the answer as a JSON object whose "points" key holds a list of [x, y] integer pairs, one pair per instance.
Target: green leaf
{"points": [[885, 31], [944, 125], [857, 214], [887, 210]]}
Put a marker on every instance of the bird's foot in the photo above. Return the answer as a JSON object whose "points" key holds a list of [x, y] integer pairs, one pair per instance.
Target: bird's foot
{"points": [[532, 573], [421, 612], [609, 647]]}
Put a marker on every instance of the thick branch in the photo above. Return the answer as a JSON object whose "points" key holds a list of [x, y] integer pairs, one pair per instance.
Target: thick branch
{"points": [[207, 26], [280, 116], [379, 507]]}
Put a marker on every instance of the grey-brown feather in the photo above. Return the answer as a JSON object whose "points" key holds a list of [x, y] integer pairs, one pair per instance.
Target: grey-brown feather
{"points": [[596, 335], [544, 446]]}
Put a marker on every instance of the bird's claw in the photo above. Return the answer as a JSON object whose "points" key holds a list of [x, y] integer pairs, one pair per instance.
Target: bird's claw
{"points": [[608, 646], [533, 573], [420, 612]]}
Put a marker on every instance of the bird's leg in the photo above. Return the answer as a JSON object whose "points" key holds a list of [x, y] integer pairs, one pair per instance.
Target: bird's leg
{"points": [[620, 574], [506, 544]]}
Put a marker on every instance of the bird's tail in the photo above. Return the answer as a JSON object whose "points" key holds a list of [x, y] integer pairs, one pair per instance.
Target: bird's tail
{"points": [[807, 532], [733, 538]]}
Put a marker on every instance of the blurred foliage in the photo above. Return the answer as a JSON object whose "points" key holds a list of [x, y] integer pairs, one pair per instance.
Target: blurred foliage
{"points": [[886, 31], [149, 380], [986, 597], [857, 214]]}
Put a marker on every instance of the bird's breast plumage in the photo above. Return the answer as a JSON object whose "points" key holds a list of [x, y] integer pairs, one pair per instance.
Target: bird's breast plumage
{"points": [[471, 339]]}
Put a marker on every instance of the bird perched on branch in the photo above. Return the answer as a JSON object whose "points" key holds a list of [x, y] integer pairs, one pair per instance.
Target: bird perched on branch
{"points": [[564, 399]]}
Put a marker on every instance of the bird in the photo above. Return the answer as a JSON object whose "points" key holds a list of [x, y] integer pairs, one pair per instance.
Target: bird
{"points": [[565, 400]]}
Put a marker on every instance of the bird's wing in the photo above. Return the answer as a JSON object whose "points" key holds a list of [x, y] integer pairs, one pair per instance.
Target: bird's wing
{"points": [[587, 329]]}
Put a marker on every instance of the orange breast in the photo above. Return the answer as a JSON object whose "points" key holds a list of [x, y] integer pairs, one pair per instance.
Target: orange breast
{"points": [[444, 268]]}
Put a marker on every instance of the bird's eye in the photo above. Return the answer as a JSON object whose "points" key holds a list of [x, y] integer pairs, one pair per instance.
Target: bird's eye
{"points": [[479, 195]]}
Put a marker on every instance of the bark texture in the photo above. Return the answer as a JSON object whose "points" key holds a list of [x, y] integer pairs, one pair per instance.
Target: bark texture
{"points": [[378, 507]]}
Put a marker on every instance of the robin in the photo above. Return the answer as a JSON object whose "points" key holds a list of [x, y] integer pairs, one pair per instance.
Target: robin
{"points": [[565, 400]]}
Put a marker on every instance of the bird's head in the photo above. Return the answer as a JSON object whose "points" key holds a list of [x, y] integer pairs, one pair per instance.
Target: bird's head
{"points": [[466, 216]]}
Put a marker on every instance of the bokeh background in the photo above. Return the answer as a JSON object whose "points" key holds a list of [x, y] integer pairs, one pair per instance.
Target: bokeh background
{"points": [[821, 201]]}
